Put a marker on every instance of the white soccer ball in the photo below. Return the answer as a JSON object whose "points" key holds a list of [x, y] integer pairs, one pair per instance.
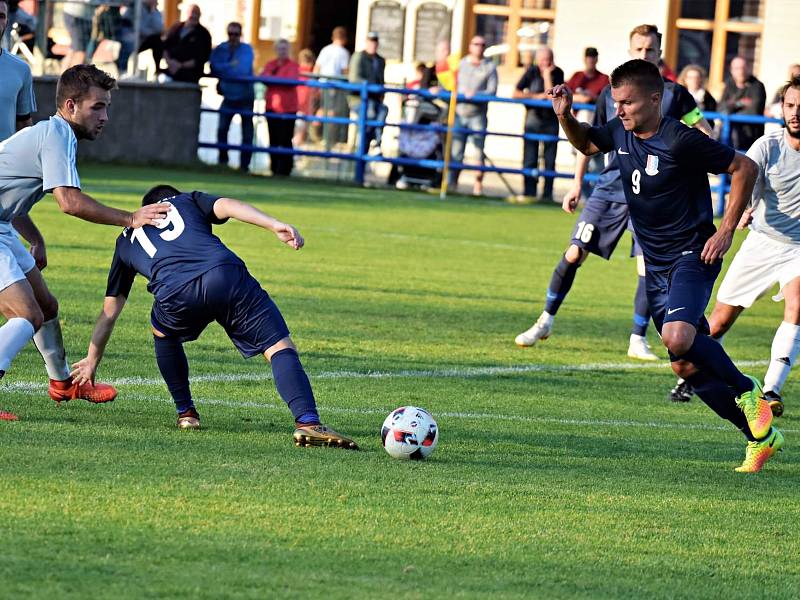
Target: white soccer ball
{"points": [[409, 432]]}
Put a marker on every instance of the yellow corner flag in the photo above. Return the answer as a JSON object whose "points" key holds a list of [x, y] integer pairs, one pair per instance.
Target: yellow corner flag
{"points": [[448, 79]]}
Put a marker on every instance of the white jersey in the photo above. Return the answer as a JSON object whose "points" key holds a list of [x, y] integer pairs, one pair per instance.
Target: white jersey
{"points": [[776, 195], [16, 93], [333, 60], [35, 161]]}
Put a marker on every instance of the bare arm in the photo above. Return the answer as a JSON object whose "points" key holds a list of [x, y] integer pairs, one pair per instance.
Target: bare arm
{"points": [[84, 370], [743, 172], [31, 234], [229, 208], [74, 202], [577, 133], [704, 126]]}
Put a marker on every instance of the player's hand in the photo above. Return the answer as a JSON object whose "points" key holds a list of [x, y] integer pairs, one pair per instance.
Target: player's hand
{"points": [[83, 371], [716, 247], [39, 253], [289, 236], [570, 201], [747, 218], [562, 99], [152, 214]]}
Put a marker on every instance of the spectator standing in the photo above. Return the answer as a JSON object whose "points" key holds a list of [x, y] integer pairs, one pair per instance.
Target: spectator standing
{"points": [[151, 26], [307, 97], [333, 61], [187, 47], [26, 26], [775, 107], [233, 59], [281, 99], [743, 95], [477, 75], [693, 78], [587, 84], [367, 65], [17, 101], [78, 16], [541, 76], [104, 46]]}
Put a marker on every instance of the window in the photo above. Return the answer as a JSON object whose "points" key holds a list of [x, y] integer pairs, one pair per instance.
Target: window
{"points": [[710, 33], [512, 27]]}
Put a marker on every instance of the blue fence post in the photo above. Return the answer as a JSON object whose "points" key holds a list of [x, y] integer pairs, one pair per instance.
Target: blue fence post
{"points": [[725, 138], [362, 134]]}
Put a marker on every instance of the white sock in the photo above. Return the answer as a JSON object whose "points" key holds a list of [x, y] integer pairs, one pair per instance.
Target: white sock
{"points": [[785, 346], [546, 318], [13, 336], [50, 345]]}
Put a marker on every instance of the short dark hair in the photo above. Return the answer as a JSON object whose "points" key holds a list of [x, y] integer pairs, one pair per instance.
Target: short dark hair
{"points": [[160, 192], [639, 73], [794, 83], [76, 82], [646, 30]]}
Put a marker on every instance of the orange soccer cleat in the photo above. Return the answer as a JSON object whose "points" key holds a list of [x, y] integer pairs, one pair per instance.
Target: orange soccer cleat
{"points": [[7, 416], [64, 391]]}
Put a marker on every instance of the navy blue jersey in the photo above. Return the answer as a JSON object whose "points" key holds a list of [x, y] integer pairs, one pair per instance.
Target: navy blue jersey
{"points": [[665, 179], [676, 102], [171, 255]]}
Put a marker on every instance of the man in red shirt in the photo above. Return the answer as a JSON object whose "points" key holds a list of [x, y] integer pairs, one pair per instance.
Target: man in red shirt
{"points": [[281, 99], [586, 85]]}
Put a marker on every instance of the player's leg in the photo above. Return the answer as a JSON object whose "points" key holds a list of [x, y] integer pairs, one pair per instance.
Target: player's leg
{"points": [[174, 368], [637, 346], [18, 306], [598, 229], [785, 346]]}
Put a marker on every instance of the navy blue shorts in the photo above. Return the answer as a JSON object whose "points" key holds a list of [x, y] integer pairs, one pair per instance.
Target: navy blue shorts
{"points": [[681, 292], [229, 295], [600, 226]]}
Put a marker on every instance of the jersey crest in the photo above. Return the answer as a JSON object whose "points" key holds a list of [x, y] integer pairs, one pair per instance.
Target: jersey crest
{"points": [[652, 165]]}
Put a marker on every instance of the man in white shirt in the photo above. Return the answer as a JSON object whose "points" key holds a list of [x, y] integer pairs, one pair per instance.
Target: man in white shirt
{"points": [[333, 61], [33, 162]]}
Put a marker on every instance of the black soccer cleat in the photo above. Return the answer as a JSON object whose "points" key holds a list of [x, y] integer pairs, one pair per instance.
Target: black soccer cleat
{"points": [[775, 402], [682, 392]]}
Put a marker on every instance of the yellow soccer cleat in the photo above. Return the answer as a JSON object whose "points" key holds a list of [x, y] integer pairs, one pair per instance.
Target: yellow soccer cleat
{"points": [[760, 452], [756, 410], [189, 419], [320, 435]]}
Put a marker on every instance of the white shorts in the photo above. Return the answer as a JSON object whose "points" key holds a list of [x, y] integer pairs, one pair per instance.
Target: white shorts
{"points": [[760, 263], [15, 260]]}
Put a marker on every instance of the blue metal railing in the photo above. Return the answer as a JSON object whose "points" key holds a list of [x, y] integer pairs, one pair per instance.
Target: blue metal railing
{"points": [[362, 123]]}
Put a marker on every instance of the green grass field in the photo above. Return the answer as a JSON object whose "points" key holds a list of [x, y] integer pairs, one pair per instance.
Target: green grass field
{"points": [[562, 471]]}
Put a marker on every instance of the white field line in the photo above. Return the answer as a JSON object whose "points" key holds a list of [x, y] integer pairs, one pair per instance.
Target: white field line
{"points": [[457, 373]]}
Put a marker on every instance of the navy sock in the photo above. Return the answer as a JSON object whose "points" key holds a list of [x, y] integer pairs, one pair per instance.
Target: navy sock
{"points": [[293, 386], [174, 369], [709, 356], [720, 398], [560, 284], [641, 310]]}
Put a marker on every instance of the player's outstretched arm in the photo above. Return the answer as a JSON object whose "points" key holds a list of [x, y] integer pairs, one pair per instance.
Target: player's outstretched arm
{"points": [[74, 202], [577, 132], [229, 208], [84, 370], [743, 172], [31, 234]]}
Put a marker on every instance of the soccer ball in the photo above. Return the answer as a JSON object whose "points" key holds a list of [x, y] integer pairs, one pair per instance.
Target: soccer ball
{"points": [[409, 432]]}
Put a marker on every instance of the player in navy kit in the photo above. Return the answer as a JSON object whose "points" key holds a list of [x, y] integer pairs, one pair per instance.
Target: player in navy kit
{"points": [[196, 280], [604, 218], [664, 169]]}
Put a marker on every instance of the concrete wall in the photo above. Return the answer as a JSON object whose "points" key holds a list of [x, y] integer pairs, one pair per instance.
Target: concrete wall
{"points": [[605, 26], [150, 123], [779, 41]]}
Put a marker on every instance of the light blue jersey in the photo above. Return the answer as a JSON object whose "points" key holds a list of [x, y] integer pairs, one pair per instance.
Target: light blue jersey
{"points": [[16, 93], [35, 161]]}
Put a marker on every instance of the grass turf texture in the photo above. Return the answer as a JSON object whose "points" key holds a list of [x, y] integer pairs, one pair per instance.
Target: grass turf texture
{"points": [[555, 482]]}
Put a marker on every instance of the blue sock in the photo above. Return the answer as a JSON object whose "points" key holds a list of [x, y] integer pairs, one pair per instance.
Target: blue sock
{"points": [[641, 310], [174, 369], [719, 397], [560, 284], [293, 386], [710, 357]]}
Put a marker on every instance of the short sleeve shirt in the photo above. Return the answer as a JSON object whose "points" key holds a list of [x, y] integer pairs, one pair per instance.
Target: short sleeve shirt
{"points": [[533, 82], [665, 181], [35, 161], [333, 60], [16, 93]]}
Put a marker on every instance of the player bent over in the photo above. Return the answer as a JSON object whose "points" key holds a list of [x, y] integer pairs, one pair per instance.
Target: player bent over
{"points": [[33, 162], [664, 170], [196, 279], [771, 252]]}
